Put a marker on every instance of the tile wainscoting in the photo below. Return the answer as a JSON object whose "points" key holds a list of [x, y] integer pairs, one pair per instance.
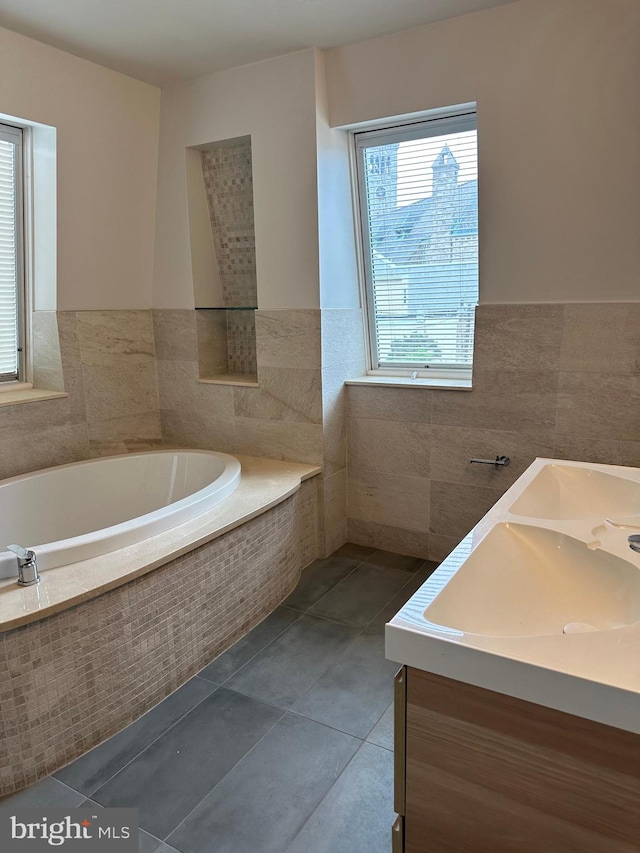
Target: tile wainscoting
{"points": [[281, 419], [132, 380], [105, 362], [298, 411], [549, 380]]}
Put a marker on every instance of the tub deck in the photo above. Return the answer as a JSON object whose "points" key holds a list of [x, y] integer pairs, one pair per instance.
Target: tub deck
{"points": [[264, 483]]}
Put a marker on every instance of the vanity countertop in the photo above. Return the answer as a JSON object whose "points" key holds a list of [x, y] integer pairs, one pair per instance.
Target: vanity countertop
{"points": [[541, 601]]}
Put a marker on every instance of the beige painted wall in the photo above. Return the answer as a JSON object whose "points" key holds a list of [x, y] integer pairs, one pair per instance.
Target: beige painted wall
{"points": [[107, 131], [336, 225], [274, 103], [556, 82]]}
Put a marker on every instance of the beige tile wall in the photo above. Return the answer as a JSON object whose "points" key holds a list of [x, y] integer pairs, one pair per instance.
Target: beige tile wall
{"points": [[118, 366], [549, 380], [296, 413], [105, 362], [342, 357], [280, 419]]}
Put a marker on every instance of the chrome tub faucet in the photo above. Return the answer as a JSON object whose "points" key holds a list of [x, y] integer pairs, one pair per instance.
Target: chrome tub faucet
{"points": [[27, 566]]}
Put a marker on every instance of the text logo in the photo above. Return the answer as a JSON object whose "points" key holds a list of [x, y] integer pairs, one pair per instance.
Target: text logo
{"points": [[71, 830]]}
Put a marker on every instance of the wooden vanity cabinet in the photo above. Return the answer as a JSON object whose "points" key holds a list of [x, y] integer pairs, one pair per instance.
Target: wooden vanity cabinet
{"points": [[480, 772]]}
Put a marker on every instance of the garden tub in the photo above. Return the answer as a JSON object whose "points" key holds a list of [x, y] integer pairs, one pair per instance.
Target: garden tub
{"points": [[85, 509]]}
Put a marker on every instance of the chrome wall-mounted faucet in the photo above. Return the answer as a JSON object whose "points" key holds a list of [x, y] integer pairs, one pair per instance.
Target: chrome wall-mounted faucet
{"points": [[27, 566], [498, 462]]}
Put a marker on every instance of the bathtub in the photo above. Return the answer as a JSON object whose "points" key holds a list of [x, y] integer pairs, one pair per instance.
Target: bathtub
{"points": [[115, 633], [85, 509]]}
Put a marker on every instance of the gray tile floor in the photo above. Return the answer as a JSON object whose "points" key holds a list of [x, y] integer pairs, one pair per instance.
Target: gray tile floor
{"points": [[283, 744]]}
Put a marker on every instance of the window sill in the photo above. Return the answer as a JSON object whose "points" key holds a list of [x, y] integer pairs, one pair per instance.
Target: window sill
{"points": [[405, 382], [14, 397]]}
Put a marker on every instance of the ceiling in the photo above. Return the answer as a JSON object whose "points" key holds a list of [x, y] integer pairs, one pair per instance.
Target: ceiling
{"points": [[162, 41]]}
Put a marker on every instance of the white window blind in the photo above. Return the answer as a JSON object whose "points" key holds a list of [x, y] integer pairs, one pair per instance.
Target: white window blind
{"points": [[10, 250], [418, 191]]}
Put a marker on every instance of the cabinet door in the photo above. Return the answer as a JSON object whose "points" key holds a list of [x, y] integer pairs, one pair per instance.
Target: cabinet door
{"points": [[488, 773]]}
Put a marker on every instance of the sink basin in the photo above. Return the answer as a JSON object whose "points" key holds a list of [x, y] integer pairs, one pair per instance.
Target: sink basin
{"points": [[523, 580], [564, 493], [541, 600]]}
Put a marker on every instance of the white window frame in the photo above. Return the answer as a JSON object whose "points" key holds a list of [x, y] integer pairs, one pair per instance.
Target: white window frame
{"points": [[435, 123], [18, 136]]}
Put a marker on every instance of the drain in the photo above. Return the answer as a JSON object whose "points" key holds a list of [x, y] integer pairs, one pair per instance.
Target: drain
{"points": [[578, 628]]}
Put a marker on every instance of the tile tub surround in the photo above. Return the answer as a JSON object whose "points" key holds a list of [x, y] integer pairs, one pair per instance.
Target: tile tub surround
{"points": [[559, 381], [549, 380], [72, 679], [297, 412], [204, 770], [281, 419], [105, 363], [117, 357]]}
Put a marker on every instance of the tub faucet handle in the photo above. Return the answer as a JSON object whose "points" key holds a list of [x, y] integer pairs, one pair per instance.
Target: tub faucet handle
{"points": [[498, 462], [27, 565]]}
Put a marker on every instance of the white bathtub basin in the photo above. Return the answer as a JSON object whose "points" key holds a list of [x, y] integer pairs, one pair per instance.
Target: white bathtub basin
{"points": [[566, 492], [523, 581], [74, 512]]}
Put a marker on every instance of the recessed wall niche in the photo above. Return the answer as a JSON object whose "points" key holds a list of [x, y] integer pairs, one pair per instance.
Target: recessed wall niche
{"points": [[223, 256]]}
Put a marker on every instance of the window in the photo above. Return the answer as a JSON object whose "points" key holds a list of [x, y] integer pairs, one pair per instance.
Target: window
{"points": [[418, 201], [11, 255]]}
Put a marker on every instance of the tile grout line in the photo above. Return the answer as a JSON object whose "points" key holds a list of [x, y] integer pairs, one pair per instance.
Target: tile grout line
{"points": [[334, 783], [302, 613], [264, 648], [42, 780], [360, 630], [299, 714], [208, 682], [215, 688], [283, 713], [365, 627], [411, 575], [292, 710], [284, 630], [247, 754], [215, 684], [231, 769]]}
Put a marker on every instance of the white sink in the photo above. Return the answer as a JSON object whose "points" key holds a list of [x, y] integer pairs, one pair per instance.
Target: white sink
{"points": [[529, 581], [564, 492], [541, 600]]}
